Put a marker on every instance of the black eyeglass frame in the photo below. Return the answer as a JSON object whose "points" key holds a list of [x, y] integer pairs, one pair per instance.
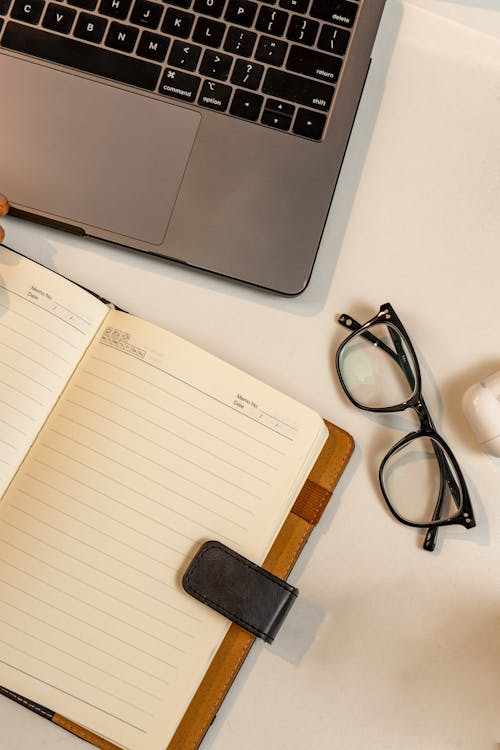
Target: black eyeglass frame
{"points": [[444, 454]]}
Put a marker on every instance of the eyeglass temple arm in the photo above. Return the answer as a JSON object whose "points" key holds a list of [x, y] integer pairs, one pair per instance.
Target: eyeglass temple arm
{"points": [[447, 478]]}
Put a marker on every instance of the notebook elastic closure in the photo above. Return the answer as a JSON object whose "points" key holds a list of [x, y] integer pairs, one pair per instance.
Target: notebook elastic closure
{"points": [[239, 589]]}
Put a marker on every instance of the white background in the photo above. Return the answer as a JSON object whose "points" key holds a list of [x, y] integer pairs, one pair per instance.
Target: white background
{"points": [[389, 647]]}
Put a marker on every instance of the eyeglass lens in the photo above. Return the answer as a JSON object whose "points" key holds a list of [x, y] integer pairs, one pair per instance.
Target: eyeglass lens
{"points": [[377, 368], [420, 482]]}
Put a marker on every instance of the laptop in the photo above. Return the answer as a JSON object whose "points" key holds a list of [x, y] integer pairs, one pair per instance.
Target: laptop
{"points": [[208, 132]]}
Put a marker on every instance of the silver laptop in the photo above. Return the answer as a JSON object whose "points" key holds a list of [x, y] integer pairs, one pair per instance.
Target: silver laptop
{"points": [[209, 132]]}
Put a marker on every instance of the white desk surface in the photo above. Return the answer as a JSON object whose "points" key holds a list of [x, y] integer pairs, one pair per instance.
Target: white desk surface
{"points": [[389, 647]]}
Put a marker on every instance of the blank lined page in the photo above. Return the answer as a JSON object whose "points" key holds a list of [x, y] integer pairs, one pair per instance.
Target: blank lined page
{"points": [[155, 447], [46, 323]]}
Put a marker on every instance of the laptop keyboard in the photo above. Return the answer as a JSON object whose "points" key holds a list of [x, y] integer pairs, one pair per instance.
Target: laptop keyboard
{"points": [[271, 62]]}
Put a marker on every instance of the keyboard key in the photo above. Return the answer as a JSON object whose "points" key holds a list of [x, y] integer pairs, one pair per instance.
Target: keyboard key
{"points": [[4, 7], [91, 28], [178, 23], [305, 91], [272, 51], [333, 39], [209, 7], [282, 108], [314, 64], [209, 32], [181, 3], [146, 13], [303, 30], [299, 6], [153, 46], [115, 8], [247, 74], [184, 55], [246, 105], [240, 41], [85, 4], [275, 120], [28, 12], [310, 124], [341, 12], [215, 95], [179, 85], [215, 65], [59, 18], [241, 12], [120, 37], [272, 21], [65, 51]]}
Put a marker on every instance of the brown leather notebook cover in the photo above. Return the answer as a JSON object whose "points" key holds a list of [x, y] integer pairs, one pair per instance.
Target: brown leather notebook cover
{"points": [[298, 525]]}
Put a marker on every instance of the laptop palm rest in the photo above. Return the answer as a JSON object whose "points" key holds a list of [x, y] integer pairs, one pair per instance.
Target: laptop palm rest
{"points": [[89, 154]]}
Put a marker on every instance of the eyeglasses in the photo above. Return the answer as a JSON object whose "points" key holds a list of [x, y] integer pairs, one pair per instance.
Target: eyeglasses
{"points": [[420, 478]]}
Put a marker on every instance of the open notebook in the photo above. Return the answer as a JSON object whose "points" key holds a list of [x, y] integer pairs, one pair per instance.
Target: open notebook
{"points": [[123, 449]]}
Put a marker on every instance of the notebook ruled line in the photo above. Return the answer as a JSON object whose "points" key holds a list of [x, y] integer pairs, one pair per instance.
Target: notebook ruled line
{"points": [[52, 352], [28, 377], [76, 697], [40, 326], [157, 463], [88, 604], [177, 416], [18, 411], [189, 403], [103, 533], [123, 484], [12, 427], [91, 625], [155, 481], [9, 445], [30, 359], [50, 312], [75, 677], [81, 640], [161, 581], [113, 518], [22, 393], [141, 611], [155, 443], [203, 393], [125, 505], [120, 679]]}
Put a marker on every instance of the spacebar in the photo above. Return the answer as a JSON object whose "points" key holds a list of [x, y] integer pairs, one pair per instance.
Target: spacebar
{"points": [[64, 51]]}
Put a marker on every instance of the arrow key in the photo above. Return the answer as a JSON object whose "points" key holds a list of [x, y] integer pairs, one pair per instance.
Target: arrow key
{"points": [[247, 105], [276, 120], [309, 124], [282, 108]]}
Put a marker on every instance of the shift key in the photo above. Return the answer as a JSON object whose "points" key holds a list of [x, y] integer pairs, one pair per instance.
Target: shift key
{"points": [[282, 85]]}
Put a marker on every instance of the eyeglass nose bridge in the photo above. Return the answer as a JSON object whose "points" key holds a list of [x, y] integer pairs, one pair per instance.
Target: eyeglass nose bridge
{"points": [[426, 423]]}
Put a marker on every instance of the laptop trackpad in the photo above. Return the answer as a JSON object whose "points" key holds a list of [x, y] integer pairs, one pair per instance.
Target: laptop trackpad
{"points": [[91, 154]]}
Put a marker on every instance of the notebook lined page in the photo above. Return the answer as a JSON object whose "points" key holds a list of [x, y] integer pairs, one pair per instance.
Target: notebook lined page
{"points": [[154, 448], [46, 324]]}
